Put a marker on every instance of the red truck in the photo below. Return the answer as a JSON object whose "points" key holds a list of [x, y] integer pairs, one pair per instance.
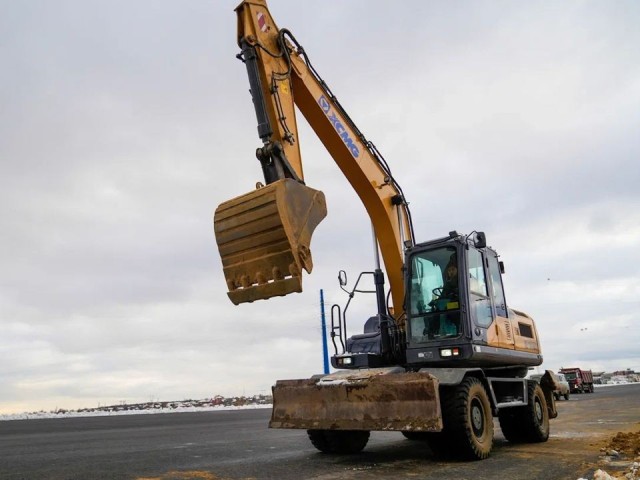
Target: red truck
{"points": [[580, 381]]}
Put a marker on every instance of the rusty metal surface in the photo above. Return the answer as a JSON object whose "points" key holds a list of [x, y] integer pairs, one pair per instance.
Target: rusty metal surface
{"points": [[372, 399], [548, 385], [264, 239]]}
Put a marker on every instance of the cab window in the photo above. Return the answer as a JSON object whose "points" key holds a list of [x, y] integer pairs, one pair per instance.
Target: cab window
{"points": [[496, 286], [480, 303], [434, 303]]}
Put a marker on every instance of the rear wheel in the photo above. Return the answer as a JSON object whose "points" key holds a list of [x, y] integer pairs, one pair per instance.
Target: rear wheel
{"points": [[468, 422], [339, 441], [535, 419], [530, 423]]}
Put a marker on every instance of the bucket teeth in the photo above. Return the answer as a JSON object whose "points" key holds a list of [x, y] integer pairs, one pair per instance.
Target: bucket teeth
{"points": [[264, 236]]}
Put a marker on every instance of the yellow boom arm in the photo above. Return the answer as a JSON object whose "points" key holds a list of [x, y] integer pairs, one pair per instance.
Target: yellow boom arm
{"points": [[280, 76]]}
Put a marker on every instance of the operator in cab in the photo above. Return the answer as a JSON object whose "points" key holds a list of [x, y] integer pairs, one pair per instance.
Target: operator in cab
{"points": [[445, 301], [450, 288]]}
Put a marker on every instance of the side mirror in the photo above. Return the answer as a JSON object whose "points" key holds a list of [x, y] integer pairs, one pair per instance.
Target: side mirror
{"points": [[501, 264], [481, 240], [342, 278]]}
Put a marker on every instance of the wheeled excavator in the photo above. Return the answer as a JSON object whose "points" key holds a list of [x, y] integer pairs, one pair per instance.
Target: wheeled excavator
{"points": [[443, 354]]}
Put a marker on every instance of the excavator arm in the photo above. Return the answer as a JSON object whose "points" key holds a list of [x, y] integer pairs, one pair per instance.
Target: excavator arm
{"points": [[258, 261]]}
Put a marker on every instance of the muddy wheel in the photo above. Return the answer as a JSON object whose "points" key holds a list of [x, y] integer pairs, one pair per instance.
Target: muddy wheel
{"points": [[535, 418], [339, 441], [418, 436], [468, 421], [528, 424]]}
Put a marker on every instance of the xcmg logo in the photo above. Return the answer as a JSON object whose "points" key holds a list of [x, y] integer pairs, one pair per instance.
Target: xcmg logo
{"points": [[337, 124]]}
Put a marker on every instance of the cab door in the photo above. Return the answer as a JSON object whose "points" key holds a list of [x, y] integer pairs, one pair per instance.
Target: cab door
{"points": [[504, 326], [488, 310]]}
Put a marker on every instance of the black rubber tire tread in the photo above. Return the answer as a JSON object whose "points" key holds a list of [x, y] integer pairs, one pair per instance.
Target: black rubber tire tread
{"points": [[417, 436], [339, 441], [458, 437], [535, 430], [566, 396], [319, 440]]}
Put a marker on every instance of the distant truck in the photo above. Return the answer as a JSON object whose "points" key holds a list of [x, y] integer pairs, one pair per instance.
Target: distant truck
{"points": [[580, 381]]}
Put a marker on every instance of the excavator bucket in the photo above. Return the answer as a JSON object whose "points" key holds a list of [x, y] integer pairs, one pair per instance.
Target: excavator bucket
{"points": [[264, 237], [377, 399]]}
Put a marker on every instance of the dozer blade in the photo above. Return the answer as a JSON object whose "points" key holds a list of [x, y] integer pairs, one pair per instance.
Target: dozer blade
{"points": [[264, 237], [375, 399]]}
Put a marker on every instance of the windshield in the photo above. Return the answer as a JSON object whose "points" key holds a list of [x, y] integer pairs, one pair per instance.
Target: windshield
{"points": [[434, 307], [570, 376]]}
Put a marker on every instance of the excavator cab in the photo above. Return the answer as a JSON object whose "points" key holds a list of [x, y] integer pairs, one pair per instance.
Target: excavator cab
{"points": [[457, 314], [435, 295]]}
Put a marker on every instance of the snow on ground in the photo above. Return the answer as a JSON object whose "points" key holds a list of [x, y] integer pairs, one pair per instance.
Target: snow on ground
{"points": [[103, 413]]}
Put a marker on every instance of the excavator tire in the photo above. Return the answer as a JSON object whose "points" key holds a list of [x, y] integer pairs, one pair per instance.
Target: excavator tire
{"points": [[468, 422], [342, 442], [528, 424], [535, 418]]}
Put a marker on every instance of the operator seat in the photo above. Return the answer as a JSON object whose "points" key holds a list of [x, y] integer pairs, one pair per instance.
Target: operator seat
{"points": [[367, 342]]}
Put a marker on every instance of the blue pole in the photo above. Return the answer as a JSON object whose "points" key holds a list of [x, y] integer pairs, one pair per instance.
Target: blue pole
{"points": [[325, 351]]}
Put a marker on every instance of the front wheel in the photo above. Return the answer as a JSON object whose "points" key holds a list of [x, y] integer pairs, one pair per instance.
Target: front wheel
{"points": [[468, 420], [339, 441]]}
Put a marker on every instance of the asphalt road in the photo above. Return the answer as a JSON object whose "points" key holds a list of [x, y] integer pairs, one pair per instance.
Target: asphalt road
{"points": [[228, 445]]}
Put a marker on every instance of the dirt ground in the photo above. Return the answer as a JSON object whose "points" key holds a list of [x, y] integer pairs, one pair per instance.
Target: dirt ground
{"points": [[626, 443], [620, 456]]}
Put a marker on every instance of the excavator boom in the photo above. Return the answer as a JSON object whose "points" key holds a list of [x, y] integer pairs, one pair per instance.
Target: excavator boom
{"points": [[263, 241]]}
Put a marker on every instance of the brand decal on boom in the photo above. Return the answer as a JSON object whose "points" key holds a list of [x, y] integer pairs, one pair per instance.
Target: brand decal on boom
{"points": [[337, 124]]}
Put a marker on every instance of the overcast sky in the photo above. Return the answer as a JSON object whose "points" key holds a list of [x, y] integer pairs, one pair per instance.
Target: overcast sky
{"points": [[124, 124]]}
